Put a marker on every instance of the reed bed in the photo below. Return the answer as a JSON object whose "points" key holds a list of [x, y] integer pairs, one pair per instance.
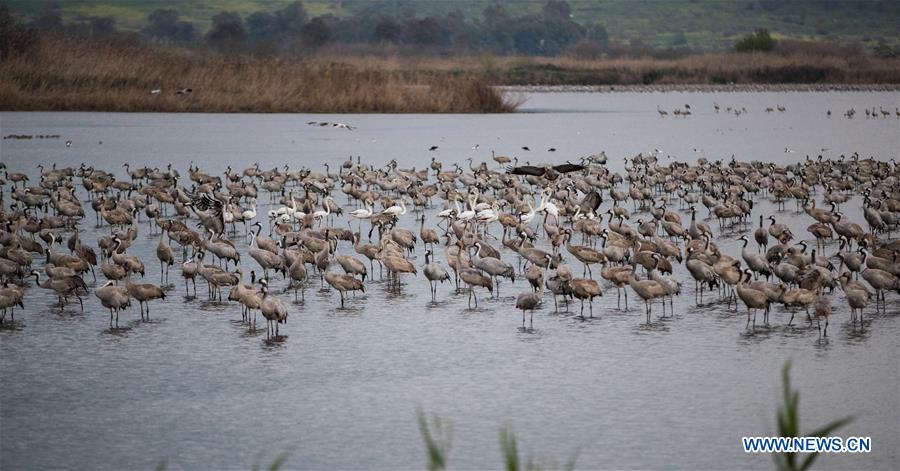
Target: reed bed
{"points": [[63, 75], [59, 74]]}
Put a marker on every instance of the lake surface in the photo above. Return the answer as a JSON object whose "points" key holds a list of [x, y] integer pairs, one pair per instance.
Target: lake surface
{"points": [[194, 388]]}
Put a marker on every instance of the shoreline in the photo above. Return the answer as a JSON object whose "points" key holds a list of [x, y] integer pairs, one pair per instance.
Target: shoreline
{"points": [[703, 88]]}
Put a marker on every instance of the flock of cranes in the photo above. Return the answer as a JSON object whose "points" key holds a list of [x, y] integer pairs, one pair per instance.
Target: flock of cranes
{"points": [[477, 226], [872, 112]]}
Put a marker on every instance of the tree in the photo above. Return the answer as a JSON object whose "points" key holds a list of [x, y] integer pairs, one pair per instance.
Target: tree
{"points": [[316, 33], [425, 32], [760, 41], [597, 32], [102, 27], [387, 30], [556, 9], [496, 28], [530, 37], [14, 38], [186, 32], [163, 25], [260, 26], [289, 21], [50, 19], [227, 32]]}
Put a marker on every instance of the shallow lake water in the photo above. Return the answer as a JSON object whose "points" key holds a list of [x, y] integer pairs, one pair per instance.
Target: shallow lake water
{"points": [[194, 388]]}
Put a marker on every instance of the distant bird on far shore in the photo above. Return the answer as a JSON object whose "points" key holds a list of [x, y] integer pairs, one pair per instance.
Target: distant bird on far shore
{"points": [[525, 148], [156, 91], [334, 125], [552, 149], [68, 143], [788, 150], [433, 148]]}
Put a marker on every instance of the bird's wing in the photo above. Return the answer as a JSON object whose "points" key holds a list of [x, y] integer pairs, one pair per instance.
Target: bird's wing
{"points": [[590, 202], [526, 170], [205, 201], [566, 168]]}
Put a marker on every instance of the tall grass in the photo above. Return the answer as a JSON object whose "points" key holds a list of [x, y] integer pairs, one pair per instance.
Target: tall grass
{"points": [[438, 438], [789, 426], [75, 75], [60, 74]]}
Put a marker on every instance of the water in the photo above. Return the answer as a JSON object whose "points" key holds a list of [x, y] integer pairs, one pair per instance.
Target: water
{"points": [[194, 388]]}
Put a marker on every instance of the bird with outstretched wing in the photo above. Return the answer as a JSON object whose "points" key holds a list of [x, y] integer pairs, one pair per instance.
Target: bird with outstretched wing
{"points": [[206, 202], [568, 167], [526, 170], [540, 171], [214, 218]]}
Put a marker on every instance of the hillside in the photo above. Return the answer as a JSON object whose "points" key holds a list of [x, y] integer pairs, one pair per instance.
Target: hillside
{"points": [[697, 24]]}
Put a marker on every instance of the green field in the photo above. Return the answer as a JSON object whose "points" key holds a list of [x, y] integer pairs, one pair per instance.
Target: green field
{"points": [[700, 24]]}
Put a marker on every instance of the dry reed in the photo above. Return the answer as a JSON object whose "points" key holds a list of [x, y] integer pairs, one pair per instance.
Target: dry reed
{"points": [[82, 75], [71, 75]]}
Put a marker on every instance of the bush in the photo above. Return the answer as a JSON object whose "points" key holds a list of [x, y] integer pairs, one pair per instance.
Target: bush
{"points": [[759, 41], [14, 38]]}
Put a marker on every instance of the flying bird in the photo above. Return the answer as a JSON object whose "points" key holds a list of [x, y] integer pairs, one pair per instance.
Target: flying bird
{"points": [[540, 171], [433, 148]]}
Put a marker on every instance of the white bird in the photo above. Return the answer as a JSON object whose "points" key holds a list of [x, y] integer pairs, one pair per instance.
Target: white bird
{"points": [[250, 214], [320, 214], [396, 210], [789, 150], [156, 91], [446, 213], [363, 213], [529, 216], [488, 215], [464, 216]]}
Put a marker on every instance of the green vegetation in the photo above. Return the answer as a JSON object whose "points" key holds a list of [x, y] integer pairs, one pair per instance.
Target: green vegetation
{"points": [[518, 27], [438, 438], [789, 426], [759, 41]]}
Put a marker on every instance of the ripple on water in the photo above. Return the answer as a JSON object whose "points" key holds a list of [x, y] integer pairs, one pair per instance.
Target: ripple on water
{"points": [[190, 387]]}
